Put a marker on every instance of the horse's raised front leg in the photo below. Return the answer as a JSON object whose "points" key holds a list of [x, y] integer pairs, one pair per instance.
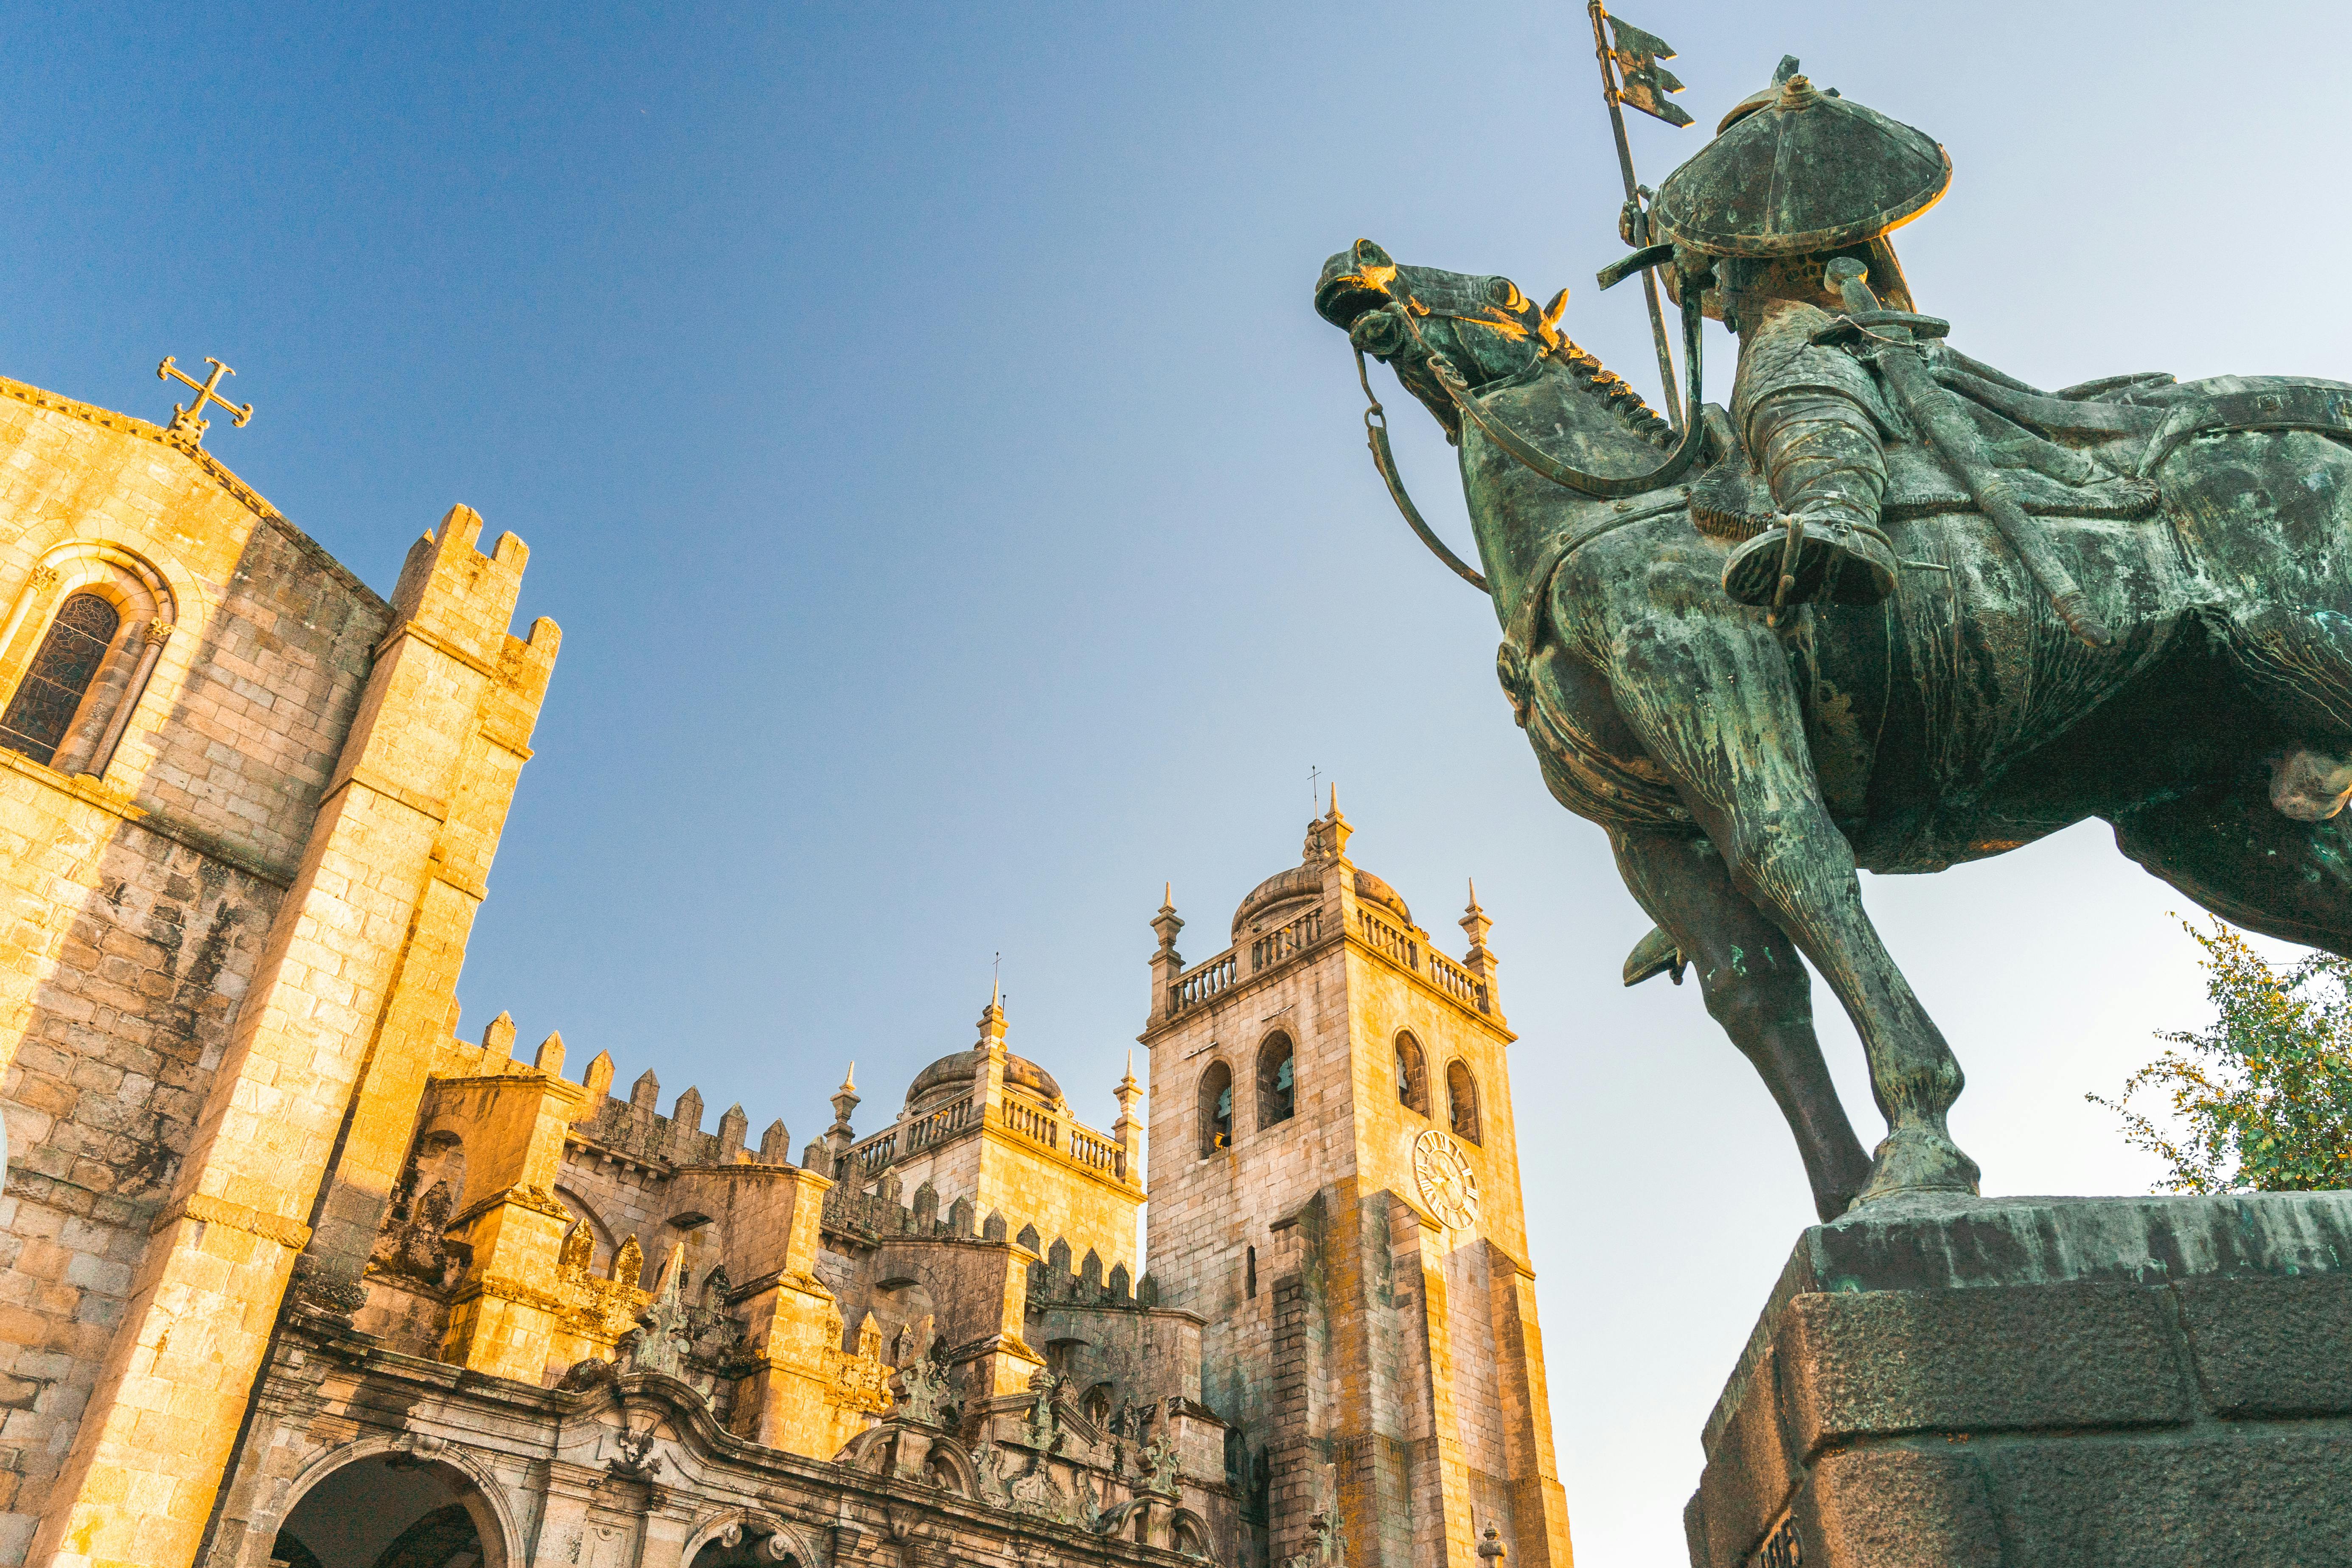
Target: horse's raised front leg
{"points": [[1712, 699], [1756, 987]]}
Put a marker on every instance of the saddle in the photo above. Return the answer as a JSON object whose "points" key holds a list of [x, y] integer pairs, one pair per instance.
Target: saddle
{"points": [[2127, 427]]}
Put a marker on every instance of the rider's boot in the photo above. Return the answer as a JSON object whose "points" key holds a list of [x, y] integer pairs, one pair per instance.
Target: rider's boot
{"points": [[1830, 556]]}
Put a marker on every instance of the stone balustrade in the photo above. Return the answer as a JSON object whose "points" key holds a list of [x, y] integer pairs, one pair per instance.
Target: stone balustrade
{"points": [[1204, 980], [1288, 941], [1384, 938]]}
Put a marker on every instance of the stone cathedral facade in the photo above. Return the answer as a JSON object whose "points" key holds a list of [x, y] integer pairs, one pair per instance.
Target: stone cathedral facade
{"points": [[292, 1272]]}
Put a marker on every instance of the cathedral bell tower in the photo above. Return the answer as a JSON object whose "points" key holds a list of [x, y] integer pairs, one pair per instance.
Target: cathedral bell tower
{"points": [[1335, 1188]]}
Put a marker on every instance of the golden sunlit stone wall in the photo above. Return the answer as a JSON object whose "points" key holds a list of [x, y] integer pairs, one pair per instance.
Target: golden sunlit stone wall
{"points": [[237, 895]]}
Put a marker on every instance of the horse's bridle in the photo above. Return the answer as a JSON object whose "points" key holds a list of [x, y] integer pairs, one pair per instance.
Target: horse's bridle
{"points": [[1526, 453]]}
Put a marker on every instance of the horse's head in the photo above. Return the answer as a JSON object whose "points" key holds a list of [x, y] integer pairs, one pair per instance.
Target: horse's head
{"points": [[1486, 329]]}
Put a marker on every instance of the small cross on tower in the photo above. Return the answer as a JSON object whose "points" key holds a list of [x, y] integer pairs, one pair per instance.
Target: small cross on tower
{"points": [[190, 422]]}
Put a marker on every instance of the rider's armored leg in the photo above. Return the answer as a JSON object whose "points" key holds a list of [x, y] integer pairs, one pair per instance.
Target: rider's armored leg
{"points": [[1822, 457]]}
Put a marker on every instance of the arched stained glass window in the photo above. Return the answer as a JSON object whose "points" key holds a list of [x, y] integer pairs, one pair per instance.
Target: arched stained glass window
{"points": [[59, 676]]}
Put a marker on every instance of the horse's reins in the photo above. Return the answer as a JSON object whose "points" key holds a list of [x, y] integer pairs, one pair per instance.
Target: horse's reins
{"points": [[1528, 455]]}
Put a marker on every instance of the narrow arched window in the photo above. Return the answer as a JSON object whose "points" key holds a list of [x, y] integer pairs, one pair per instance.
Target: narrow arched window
{"points": [[1412, 1075], [59, 676], [1216, 1109], [1277, 1080], [1462, 1102]]}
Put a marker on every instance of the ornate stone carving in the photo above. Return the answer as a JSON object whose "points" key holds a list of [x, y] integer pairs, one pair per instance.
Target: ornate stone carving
{"points": [[1045, 1428], [414, 1245], [1162, 1472], [922, 1392]]}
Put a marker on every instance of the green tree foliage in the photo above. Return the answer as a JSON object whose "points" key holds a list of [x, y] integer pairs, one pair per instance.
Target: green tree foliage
{"points": [[2263, 1099]]}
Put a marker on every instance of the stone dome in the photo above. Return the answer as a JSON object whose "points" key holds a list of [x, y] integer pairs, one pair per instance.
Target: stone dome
{"points": [[1296, 886], [952, 1075], [1371, 890], [1285, 893]]}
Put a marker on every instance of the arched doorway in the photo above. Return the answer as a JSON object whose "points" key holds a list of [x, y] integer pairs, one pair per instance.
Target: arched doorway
{"points": [[393, 1511]]}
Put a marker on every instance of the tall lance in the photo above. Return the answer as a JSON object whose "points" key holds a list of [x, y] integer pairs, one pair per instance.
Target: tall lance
{"points": [[1630, 73]]}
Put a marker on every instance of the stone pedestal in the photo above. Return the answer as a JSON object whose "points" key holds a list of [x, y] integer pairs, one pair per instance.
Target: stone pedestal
{"points": [[2055, 1381]]}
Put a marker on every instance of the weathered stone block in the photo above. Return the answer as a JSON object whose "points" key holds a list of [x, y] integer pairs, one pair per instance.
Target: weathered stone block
{"points": [[1899, 1508], [2272, 1347], [1885, 1363], [2281, 1498], [1958, 1382]]}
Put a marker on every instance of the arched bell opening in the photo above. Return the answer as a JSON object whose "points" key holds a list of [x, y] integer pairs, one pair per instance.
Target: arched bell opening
{"points": [[1216, 1109]]}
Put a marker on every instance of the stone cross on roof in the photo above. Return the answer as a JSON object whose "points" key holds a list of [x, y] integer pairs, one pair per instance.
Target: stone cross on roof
{"points": [[190, 421]]}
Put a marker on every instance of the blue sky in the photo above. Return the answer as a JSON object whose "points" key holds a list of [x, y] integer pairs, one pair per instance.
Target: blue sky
{"points": [[961, 524]]}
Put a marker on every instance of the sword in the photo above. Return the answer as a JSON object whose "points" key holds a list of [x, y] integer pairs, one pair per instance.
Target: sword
{"points": [[1955, 438]]}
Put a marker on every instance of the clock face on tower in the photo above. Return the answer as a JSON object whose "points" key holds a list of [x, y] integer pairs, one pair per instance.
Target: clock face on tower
{"points": [[1447, 1185]]}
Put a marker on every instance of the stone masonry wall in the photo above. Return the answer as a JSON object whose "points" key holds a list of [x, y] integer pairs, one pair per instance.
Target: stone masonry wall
{"points": [[137, 899]]}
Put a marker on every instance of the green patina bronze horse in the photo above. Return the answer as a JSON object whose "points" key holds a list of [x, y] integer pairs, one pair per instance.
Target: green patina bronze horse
{"points": [[1746, 763]]}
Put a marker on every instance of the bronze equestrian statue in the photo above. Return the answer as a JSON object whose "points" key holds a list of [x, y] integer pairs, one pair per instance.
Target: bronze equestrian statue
{"points": [[1893, 609]]}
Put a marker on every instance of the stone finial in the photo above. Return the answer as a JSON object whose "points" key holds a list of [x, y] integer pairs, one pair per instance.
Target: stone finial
{"points": [[991, 1023], [642, 1095], [1167, 964], [1167, 922], [1327, 836], [598, 1079], [629, 1263], [686, 1115], [731, 1128], [1491, 1548], [550, 1059], [1480, 959], [1128, 1091], [498, 1038], [776, 1144], [844, 1100], [1475, 922]]}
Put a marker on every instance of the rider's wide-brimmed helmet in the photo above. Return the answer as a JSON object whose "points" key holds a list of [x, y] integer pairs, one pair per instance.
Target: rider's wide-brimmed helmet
{"points": [[1796, 171]]}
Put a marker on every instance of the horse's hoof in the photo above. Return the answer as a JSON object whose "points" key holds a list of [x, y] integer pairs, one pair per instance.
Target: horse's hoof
{"points": [[1917, 1160]]}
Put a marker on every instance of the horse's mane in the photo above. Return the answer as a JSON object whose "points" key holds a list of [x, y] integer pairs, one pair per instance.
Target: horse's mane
{"points": [[1590, 376]]}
